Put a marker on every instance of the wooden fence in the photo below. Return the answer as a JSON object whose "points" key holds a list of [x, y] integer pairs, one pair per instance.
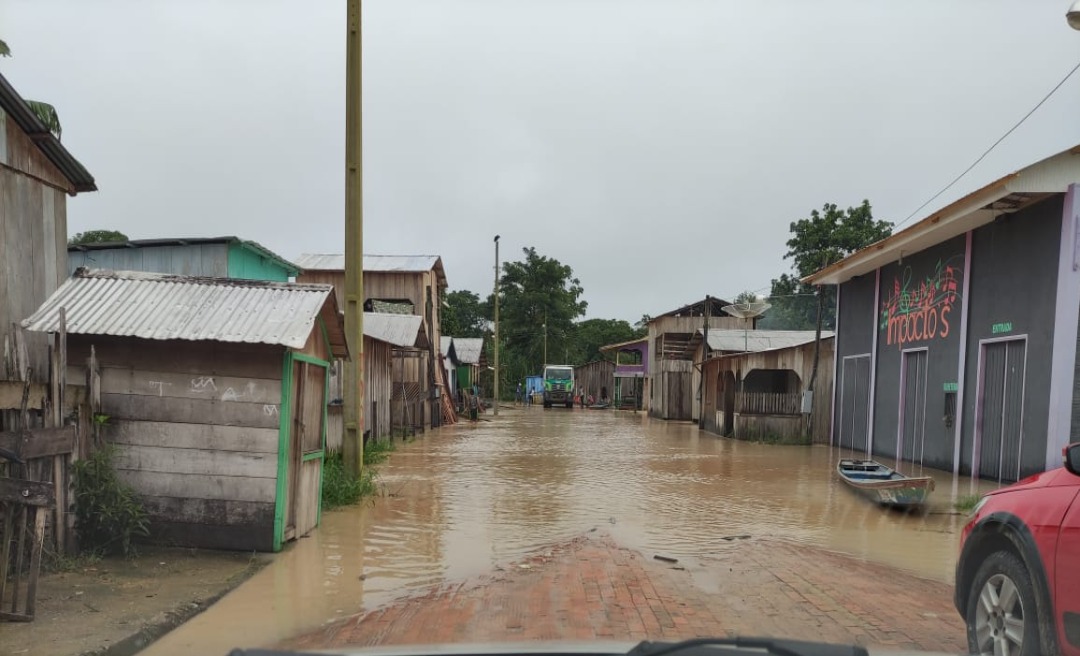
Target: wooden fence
{"points": [[768, 403], [47, 426]]}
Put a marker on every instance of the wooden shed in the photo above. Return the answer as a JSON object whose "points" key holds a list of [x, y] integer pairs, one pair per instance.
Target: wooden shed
{"points": [[216, 257], [758, 393], [596, 378], [215, 392], [403, 284]]}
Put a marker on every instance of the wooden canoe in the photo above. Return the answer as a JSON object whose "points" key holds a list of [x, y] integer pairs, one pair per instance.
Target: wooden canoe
{"points": [[884, 485]]}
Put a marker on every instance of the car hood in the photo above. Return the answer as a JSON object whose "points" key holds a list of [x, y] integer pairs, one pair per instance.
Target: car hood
{"points": [[567, 647], [1044, 479]]}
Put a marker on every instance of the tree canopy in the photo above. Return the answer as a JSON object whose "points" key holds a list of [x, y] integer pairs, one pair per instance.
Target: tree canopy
{"points": [[97, 237], [825, 237], [589, 335], [464, 315]]}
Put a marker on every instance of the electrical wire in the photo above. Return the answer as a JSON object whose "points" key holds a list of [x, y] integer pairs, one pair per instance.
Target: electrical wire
{"points": [[992, 147]]}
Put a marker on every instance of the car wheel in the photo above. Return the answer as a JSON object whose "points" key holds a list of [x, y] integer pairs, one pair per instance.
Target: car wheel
{"points": [[1001, 616]]}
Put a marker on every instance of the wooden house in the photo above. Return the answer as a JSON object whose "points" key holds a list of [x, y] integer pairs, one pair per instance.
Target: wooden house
{"points": [[399, 284], [754, 383], [596, 378], [469, 352], [385, 335], [670, 380], [215, 257], [215, 393], [631, 382], [36, 177]]}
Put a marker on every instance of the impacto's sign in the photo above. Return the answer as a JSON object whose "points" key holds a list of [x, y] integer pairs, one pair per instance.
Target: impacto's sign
{"points": [[919, 308]]}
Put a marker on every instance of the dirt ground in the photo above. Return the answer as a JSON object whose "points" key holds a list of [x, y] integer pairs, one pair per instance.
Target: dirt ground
{"points": [[591, 588], [116, 606]]}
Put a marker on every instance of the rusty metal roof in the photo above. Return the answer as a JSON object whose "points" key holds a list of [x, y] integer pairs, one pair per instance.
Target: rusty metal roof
{"points": [[397, 329], [164, 306], [374, 263], [470, 350]]}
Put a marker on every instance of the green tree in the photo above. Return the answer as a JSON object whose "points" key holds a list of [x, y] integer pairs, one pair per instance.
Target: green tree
{"points": [[591, 334], [97, 237], [464, 315], [539, 297], [826, 237], [746, 297]]}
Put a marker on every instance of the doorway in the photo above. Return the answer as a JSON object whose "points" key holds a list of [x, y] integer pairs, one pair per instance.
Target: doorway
{"points": [[999, 418], [913, 406], [854, 421]]}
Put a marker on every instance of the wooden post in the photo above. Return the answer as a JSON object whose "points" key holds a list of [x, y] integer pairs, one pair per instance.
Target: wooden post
{"points": [[352, 446], [497, 372]]}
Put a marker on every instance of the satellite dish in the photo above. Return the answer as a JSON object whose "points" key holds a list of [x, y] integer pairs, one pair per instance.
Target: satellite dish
{"points": [[747, 310]]}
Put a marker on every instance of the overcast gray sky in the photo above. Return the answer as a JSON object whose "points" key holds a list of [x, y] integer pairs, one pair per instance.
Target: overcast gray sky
{"points": [[660, 147]]}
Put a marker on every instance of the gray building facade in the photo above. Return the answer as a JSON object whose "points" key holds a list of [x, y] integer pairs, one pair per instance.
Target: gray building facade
{"points": [[957, 336]]}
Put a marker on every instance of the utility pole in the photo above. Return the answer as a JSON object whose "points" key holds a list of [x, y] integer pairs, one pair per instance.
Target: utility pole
{"points": [[704, 356], [352, 446], [545, 340], [495, 402]]}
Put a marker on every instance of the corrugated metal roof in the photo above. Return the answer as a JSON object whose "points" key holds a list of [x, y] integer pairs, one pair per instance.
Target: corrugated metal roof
{"points": [[754, 341], [256, 247], [163, 306], [376, 263], [15, 107], [470, 350], [397, 329]]}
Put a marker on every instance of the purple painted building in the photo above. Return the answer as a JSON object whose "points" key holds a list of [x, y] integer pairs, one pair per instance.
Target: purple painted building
{"points": [[631, 372]]}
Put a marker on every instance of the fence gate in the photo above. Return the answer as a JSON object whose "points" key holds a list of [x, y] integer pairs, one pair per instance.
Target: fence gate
{"points": [[1000, 412], [913, 404], [855, 402]]}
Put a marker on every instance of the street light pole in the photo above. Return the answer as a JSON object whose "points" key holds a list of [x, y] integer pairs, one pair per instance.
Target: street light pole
{"points": [[496, 401], [545, 344]]}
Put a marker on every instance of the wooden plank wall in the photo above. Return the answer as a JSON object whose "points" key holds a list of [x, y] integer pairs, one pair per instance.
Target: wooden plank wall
{"points": [[196, 425], [801, 361], [592, 377], [33, 236], [378, 380]]}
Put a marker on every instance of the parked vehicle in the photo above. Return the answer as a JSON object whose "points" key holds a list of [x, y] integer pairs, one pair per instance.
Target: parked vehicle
{"points": [[558, 385], [1016, 578], [884, 485]]}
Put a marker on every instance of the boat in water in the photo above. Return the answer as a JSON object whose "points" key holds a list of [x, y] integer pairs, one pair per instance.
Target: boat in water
{"points": [[884, 485]]}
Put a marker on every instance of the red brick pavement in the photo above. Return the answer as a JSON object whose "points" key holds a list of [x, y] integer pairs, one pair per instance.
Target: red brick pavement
{"points": [[590, 588]]}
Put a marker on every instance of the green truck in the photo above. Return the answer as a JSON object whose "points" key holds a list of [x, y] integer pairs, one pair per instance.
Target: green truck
{"points": [[558, 385]]}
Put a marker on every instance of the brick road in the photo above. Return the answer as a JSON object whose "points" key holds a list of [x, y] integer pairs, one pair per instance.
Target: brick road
{"points": [[592, 588]]}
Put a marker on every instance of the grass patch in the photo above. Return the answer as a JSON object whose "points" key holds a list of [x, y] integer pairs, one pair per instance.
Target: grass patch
{"points": [[967, 502], [339, 488]]}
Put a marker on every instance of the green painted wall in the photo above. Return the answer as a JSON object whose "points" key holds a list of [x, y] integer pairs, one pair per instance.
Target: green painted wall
{"points": [[246, 264], [464, 376]]}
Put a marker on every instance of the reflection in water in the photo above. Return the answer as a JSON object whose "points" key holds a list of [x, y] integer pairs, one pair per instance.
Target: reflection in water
{"points": [[463, 498]]}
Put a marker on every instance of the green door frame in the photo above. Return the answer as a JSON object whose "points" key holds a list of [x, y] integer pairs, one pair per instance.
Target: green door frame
{"points": [[284, 427]]}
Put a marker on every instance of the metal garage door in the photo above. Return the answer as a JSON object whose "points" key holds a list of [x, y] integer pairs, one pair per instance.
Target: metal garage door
{"points": [[855, 402], [998, 426]]}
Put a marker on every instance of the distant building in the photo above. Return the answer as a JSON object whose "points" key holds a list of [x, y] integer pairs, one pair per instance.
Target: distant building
{"points": [[671, 378], [957, 336], [402, 284], [212, 257]]}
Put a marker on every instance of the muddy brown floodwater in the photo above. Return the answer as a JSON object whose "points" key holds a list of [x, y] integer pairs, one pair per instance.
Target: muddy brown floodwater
{"points": [[461, 499]]}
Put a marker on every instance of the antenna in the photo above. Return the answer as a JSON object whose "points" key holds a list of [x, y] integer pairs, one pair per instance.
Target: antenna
{"points": [[747, 311]]}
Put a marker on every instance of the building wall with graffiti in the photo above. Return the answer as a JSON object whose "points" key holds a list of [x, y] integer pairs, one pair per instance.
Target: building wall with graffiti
{"points": [[931, 374], [918, 336]]}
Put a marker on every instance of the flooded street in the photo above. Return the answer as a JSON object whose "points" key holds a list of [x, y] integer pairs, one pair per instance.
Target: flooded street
{"points": [[459, 500]]}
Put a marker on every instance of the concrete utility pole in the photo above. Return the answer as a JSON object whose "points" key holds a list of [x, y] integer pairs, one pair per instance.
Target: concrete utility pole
{"points": [[352, 446], [495, 402]]}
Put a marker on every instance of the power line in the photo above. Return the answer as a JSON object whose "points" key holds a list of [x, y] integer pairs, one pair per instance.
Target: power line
{"points": [[992, 147]]}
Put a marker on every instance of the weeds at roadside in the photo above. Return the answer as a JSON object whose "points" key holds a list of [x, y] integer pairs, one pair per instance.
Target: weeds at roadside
{"points": [[340, 488], [780, 440], [966, 503]]}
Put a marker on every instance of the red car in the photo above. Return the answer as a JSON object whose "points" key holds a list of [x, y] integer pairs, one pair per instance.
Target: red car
{"points": [[1018, 575]]}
